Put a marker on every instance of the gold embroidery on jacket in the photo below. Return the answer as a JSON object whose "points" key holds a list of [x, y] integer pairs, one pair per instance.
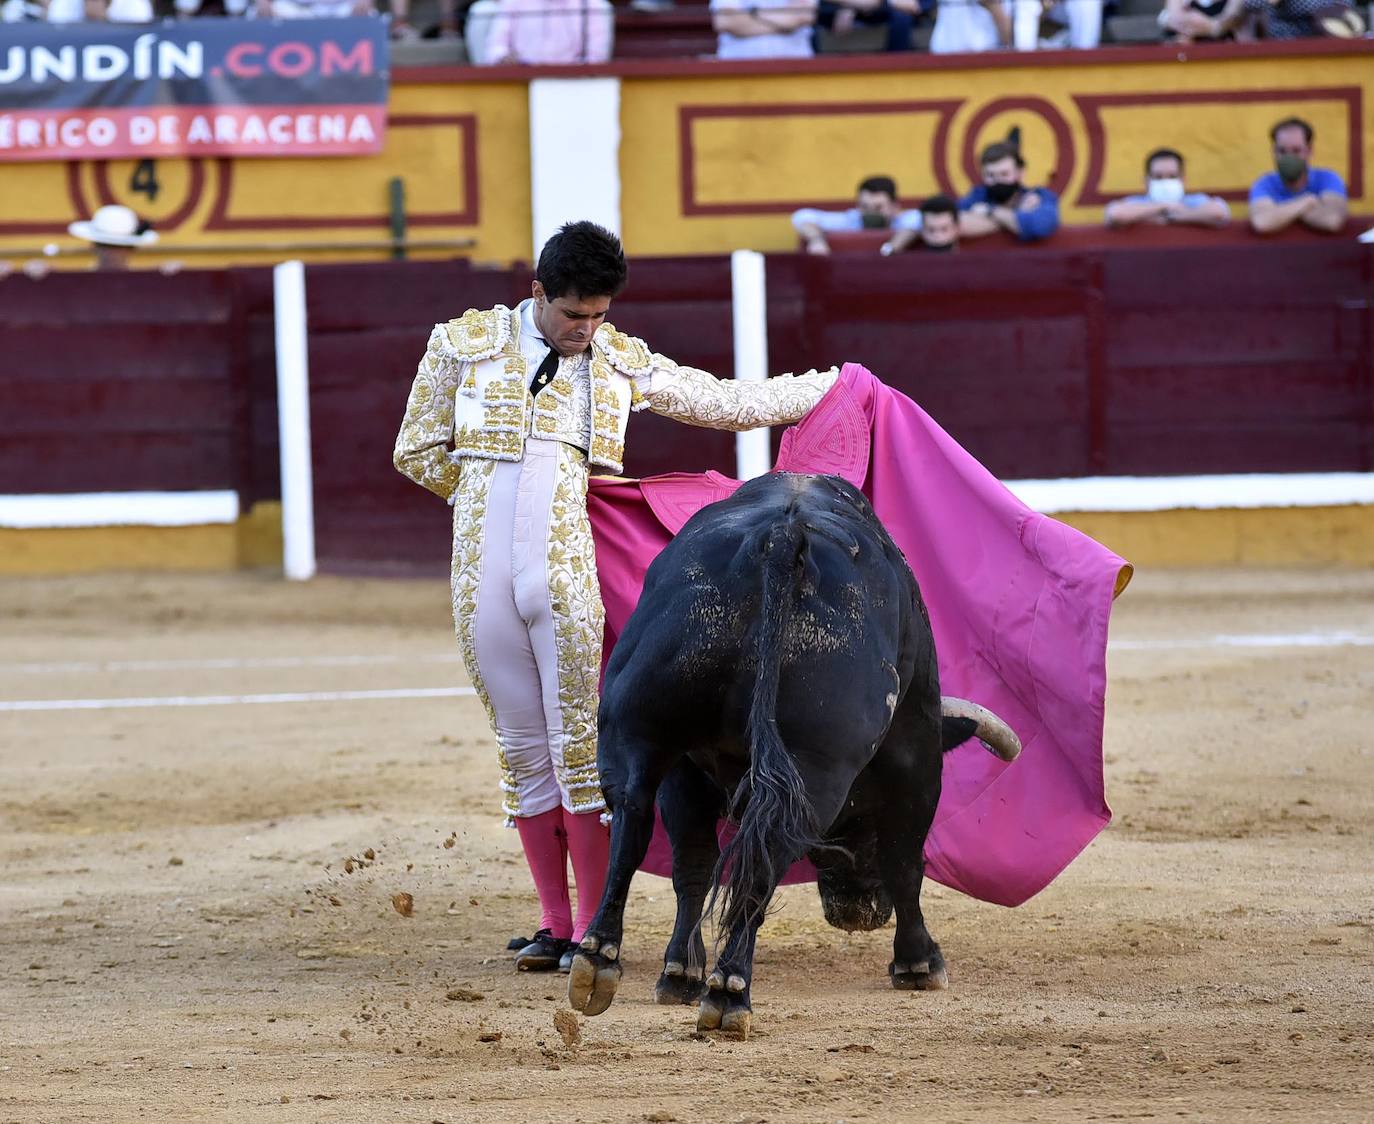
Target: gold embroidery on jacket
{"points": [[469, 535], [606, 450], [483, 444], [698, 398], [627, 354], [578, 621], [478, 333], [421, 450]]}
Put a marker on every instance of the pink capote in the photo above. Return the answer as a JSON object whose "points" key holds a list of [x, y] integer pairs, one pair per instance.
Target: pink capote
{"points": [[1018, 603]]}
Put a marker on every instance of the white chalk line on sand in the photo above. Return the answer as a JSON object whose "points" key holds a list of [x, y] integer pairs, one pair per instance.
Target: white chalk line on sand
{"points": [[235, 700], [222, 663], [1201, 643], [1247, 640]]}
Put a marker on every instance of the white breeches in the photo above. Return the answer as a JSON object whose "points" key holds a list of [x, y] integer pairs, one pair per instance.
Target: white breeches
{"points": [[528, 615]]}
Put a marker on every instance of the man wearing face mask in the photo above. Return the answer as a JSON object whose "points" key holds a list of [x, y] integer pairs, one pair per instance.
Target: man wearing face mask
{"points": [[877, 209], [1002, 202], [1296, 192], [938, 232], [1165, 199]]}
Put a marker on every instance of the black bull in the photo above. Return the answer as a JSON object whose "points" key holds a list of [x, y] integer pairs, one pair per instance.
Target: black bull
{"points": [[779, 669]]}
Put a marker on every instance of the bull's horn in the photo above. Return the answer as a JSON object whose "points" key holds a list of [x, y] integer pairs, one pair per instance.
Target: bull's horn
{"points": [[992, 731]]}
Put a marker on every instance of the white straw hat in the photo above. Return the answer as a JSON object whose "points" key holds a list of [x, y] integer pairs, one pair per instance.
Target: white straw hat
{"points": [[113, 225]]}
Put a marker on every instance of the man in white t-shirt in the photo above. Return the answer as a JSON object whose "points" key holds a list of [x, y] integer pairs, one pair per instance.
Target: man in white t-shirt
{"points": [[763, 29]]}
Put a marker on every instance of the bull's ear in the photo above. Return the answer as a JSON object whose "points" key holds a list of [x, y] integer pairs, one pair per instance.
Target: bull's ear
{"points": [[956, 731]]}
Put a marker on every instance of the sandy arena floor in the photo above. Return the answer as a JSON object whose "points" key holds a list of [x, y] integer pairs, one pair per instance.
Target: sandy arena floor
{"points": [[182, 936]]}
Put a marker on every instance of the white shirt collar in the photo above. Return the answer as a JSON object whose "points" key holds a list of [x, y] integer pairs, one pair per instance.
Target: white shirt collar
{"points": [[528, 328]]}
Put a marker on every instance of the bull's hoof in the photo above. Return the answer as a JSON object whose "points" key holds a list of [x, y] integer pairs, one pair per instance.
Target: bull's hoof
{"points": [[594, 975], [725, 1006], [924, 975], [676, 986]]}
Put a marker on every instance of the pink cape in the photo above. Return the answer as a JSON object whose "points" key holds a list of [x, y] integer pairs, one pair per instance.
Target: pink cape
{"points": [[1018, 603]]}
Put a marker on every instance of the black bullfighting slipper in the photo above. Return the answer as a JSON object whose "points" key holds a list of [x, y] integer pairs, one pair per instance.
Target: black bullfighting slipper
{"points": [[515, 944], [541, 954], [565, 961]]}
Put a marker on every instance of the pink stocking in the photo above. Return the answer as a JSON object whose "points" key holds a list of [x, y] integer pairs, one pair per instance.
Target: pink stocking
{"points": [[589, 846], [546, 851]]}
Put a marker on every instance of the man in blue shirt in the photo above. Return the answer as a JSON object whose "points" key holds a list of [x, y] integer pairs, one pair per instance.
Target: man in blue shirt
{"points": [[1165, 199], [1295, 191], [1002, 202], [877, 209]]}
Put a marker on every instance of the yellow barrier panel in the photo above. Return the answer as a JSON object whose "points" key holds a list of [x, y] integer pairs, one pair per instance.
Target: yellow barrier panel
{"points": [[714, 156]]}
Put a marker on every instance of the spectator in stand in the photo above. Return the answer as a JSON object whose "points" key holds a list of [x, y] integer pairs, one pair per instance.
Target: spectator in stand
{"points": [[1298, 19], [840, 17], [188, 8], [534, 32], [764, 29], [78, 11], [940, 225], [312, 9], [1081, 21], [1165, 199], [1193, 21], [1295, 191], [938, 229], [877, 209], [115, 232], [970, 25], [1002, 202], [402, 29]]}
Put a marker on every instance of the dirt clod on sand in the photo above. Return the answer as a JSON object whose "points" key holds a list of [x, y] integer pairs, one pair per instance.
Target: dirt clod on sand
{"points": [[565, 1022], [403, 903], [464, 995]]}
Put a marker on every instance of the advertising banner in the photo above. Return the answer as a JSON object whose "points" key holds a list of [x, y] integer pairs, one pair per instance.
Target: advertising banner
{"points": [[208, 87]]}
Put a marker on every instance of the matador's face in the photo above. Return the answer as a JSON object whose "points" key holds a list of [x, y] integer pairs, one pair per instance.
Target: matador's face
{"points": [[568, 322]]}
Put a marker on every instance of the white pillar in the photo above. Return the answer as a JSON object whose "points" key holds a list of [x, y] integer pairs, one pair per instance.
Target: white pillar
{"points": [[293, 422], [574, 154], [753, 449]]}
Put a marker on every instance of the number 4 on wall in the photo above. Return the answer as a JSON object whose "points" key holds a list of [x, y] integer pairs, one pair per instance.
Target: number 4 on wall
{"points": [[144, 179]]}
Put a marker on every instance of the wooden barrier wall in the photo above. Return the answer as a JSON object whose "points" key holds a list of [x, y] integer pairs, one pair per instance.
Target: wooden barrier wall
{"points": [[1046, 364]]}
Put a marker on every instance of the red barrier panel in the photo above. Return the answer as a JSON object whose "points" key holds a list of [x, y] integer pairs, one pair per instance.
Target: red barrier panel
{"points": [[121, 382], [1042, 363]]}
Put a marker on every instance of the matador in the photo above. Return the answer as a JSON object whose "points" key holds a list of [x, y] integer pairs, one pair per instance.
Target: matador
{"points": [[510, 410]]}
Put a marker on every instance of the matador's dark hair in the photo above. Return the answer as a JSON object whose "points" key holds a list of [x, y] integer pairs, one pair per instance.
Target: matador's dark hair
{"points": [[584, 260]]}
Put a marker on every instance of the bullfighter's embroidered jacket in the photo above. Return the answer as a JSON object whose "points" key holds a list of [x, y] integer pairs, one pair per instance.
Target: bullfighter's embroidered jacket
{"points": [[471, 395]]}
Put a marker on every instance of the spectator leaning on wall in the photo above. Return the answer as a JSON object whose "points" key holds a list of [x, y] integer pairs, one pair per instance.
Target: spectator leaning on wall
{"points": [[937, 231], [1299, 19], [77, 11], [1189, 21], [1165, 199], [970, 25], [115, 232], [1002, 202], [1295, 191], [504, 32], [312, 9], [877, 209], [840, 17], [763, 29], [940, 225]]}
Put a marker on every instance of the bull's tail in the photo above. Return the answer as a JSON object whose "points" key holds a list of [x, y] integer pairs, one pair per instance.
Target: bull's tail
{"points": [[775, 817]]}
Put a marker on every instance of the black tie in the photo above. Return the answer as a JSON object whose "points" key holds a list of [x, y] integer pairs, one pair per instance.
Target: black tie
{"points": [[544, 375]]}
